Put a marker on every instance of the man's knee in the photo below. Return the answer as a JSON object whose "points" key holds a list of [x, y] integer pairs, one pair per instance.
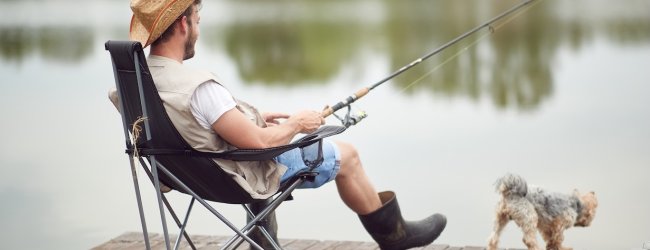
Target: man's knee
{"points": [[349, 156]]}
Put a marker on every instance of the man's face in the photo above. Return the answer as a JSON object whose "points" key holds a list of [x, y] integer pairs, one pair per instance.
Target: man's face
{"points": [[194, 19]]}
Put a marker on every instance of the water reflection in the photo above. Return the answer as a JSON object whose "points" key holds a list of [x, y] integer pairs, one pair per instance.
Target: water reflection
{"points": [[57, 44], [421, 27], [286, 53], [512, 68]]}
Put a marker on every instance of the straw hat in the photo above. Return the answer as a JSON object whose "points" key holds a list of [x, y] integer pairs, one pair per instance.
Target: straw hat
{"points": [[152, 17]]}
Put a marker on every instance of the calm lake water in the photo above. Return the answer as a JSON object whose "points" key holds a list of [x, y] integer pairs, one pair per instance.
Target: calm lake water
{"points": [[558, 94]]}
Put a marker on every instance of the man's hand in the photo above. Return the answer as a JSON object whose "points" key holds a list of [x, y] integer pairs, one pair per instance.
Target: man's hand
{"points": [[307, 121], [271, 118]]}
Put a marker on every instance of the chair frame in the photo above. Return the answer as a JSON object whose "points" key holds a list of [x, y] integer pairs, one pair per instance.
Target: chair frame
{"points": [[147, 157]]}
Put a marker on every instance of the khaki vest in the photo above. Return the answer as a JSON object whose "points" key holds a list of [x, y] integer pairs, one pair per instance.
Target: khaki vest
{"points": [[176, 84]]}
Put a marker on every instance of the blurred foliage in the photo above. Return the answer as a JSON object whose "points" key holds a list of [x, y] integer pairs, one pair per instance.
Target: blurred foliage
{"points": [[295, 42], [57, 44], [288, 53]]}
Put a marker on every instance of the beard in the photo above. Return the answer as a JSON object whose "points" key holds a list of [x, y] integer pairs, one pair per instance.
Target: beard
{"points": [[189, 46]]}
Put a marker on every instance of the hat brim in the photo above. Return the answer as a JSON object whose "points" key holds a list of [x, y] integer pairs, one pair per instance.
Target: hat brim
{"points": [[146, 35], [138, 32]]}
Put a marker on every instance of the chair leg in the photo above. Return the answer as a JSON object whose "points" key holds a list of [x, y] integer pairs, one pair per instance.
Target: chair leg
{"points": [[178, 222], [271, 239], [223, 219], [138, 197], [266, 231], [169, 208], [182, 232], [265, 211], [257, 226], [156, 181]]}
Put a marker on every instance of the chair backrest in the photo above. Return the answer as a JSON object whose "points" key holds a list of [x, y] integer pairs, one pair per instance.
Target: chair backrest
{"points": [[202, 175]]}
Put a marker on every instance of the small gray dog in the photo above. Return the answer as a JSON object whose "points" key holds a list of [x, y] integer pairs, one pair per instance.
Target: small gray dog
{"points": [[534, 209]]}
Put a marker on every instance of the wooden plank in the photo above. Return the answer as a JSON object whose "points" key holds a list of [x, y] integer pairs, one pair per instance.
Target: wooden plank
{"points": [[135, 240], [129, 240], [158, 242], [347, 245], [368, 246], [246, 245], [436, 247], [285, 242], [300, 244], [208, 242], [323, 245], [473, 248]]}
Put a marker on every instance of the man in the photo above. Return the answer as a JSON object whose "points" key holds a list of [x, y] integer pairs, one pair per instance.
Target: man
{"points": [[210, 119]]}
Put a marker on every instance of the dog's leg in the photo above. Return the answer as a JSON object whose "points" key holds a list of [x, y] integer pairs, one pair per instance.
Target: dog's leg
{"points": [[530, 238], [526, 218], [546, 233], [554, 235], [555, 241], [499, 223]]}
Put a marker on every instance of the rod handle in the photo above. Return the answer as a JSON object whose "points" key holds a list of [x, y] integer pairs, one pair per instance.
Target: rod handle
{"points": [[362, 92], [327, 111]]}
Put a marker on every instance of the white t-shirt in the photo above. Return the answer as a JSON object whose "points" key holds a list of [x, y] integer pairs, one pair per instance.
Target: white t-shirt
{"points": [[209, 101]]}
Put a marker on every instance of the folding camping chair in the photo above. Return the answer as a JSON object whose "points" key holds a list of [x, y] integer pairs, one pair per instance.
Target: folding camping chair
{"points": [[161, 149]]}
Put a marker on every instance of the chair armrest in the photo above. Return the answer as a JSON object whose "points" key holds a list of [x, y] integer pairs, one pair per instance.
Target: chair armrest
{"points": [[251, 154], [270, 153]]}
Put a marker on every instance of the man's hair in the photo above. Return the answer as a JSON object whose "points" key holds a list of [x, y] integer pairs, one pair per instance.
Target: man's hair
{"points": [[168, 32]]}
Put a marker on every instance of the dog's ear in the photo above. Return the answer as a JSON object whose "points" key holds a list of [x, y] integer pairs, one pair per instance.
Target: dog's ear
{"points": [[576, 192]]}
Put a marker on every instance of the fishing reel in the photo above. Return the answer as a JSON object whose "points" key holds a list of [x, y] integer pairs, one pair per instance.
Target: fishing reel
{"points": [[351, 118]]}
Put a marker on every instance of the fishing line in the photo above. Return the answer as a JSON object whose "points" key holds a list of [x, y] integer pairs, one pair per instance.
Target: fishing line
{"points": [[492, 30], [353, 119]]}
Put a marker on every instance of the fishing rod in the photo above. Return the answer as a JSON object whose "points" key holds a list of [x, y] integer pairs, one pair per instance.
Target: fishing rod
{"points": [[353, 119]]}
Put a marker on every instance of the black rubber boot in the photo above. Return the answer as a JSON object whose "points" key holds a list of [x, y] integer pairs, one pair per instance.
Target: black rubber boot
{"points": [[390, 231], [270, 224]]}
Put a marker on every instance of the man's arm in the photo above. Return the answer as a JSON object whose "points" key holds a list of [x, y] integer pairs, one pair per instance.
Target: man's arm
{"points": [[234, 127]]}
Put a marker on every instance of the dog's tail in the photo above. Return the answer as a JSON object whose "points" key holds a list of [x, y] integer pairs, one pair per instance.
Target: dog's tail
{"points": [[511, 186]]}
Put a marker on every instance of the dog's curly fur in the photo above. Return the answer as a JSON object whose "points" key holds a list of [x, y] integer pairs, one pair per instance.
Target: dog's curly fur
{"points": [[534, 209]]}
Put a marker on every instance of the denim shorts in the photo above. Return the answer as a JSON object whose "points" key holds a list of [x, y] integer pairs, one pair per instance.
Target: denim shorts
{"points": [[326, 171]]}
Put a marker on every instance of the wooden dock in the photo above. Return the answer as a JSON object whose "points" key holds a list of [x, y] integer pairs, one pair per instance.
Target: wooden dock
{"points": [[134, 240]]}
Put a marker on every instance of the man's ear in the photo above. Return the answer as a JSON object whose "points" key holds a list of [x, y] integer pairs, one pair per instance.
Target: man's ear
{"points": [[182, 22]]}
